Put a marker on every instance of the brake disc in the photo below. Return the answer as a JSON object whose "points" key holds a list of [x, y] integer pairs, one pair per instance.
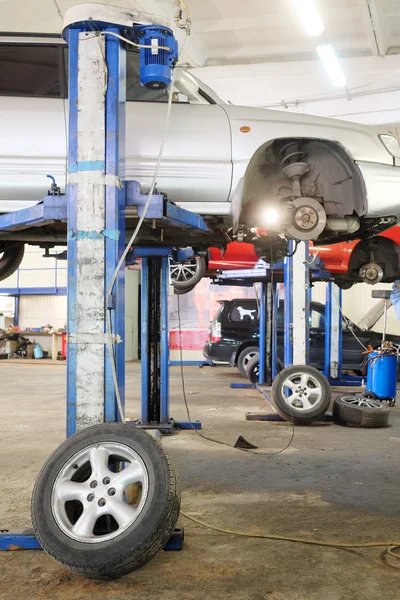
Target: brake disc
{"points": [[308, 220]]}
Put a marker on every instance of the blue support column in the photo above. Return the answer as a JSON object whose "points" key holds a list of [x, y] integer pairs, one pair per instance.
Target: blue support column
{"points": [[144, 343], [164, 358], [328, 329], [115, 217], [16, 311], [265, 334], [262, 338], [71, 220], [96, 225], [340, 332], [275, 332], [288, 312]]}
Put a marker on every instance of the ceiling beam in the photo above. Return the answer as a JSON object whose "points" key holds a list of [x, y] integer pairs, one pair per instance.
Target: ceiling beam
{"points": [[377, 27]]}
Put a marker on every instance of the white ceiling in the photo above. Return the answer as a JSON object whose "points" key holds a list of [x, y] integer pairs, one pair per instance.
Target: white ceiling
{"points": [[257, 52]]}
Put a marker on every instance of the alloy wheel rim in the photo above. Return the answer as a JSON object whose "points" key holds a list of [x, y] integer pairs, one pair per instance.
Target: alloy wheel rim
{"points": [[302, 391], [184, 272], [248, 358], [99, 492], [362, 401]]}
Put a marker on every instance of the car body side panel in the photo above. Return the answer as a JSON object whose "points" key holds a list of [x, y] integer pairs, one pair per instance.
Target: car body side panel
{"points": [[361, 142], [383, 188], [32, 145], [335, 257], [196, 165]]}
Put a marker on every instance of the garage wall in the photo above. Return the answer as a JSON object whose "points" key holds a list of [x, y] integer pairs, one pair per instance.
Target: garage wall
{"points": [[38, 309], [35, 311], [197, 309], [357, 301], [36, 271]]}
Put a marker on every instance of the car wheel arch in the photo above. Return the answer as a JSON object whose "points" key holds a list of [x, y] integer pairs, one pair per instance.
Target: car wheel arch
{"points": [[256, 174], [387, 253], [243, 346]]}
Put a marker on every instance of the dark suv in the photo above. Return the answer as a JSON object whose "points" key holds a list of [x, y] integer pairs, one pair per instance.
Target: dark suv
{"points": [[235, 331]]}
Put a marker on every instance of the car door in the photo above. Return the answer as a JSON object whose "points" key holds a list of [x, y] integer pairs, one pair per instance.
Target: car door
{"points": [[32, 120], [196, 169]]}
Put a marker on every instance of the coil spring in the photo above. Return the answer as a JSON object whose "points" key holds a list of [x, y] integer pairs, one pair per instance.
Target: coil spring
{"points": [[296, 154]]}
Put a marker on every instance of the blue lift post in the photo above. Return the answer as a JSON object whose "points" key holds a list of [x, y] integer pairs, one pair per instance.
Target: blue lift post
{"points": [[94, 210], [297, 275], [333, 370]]}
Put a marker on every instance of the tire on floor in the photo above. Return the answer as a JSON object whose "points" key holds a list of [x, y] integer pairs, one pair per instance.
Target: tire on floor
{"points": [[359, 411], [106, 501], [301, 394]]}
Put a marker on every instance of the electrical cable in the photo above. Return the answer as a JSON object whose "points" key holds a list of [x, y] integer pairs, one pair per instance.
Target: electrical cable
{"points": [[296, 245], [127, 248], [58, 9], [314, 258], [329, 96], [390, 546], [347, 321], [124, 39], [205, 437]]}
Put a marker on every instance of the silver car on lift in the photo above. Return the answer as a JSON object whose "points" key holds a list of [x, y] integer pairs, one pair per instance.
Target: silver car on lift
{"points": [[245, 169]]}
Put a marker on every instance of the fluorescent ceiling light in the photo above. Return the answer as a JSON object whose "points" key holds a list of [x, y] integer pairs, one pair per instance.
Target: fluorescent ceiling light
{"points": [[331, 65], [308, 15]]}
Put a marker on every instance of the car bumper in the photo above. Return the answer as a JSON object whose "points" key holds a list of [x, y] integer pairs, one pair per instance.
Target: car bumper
{"points": [[218, 352]]}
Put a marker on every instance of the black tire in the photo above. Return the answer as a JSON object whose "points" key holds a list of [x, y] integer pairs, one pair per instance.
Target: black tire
{"points": [[182, 292], [245, 355], [197, 264], [354, 415], [344, 284], [10, 258], [137, 544], [253, 368], [296, 415]]}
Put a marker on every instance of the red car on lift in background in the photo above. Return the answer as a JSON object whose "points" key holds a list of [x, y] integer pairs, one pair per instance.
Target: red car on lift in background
{"points": [[369, 261]]}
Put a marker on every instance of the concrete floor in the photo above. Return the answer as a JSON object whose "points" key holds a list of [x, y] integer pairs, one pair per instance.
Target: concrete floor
{"points": [[333, 483]]}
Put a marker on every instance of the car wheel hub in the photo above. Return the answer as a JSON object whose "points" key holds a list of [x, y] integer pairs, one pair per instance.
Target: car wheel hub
{"points": [[95, 499], [371, 273], [308, 219], [301, 391]]}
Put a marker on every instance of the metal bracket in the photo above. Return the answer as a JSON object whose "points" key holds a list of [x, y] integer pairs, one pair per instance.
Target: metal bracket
{"points": [[26, 540]]}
